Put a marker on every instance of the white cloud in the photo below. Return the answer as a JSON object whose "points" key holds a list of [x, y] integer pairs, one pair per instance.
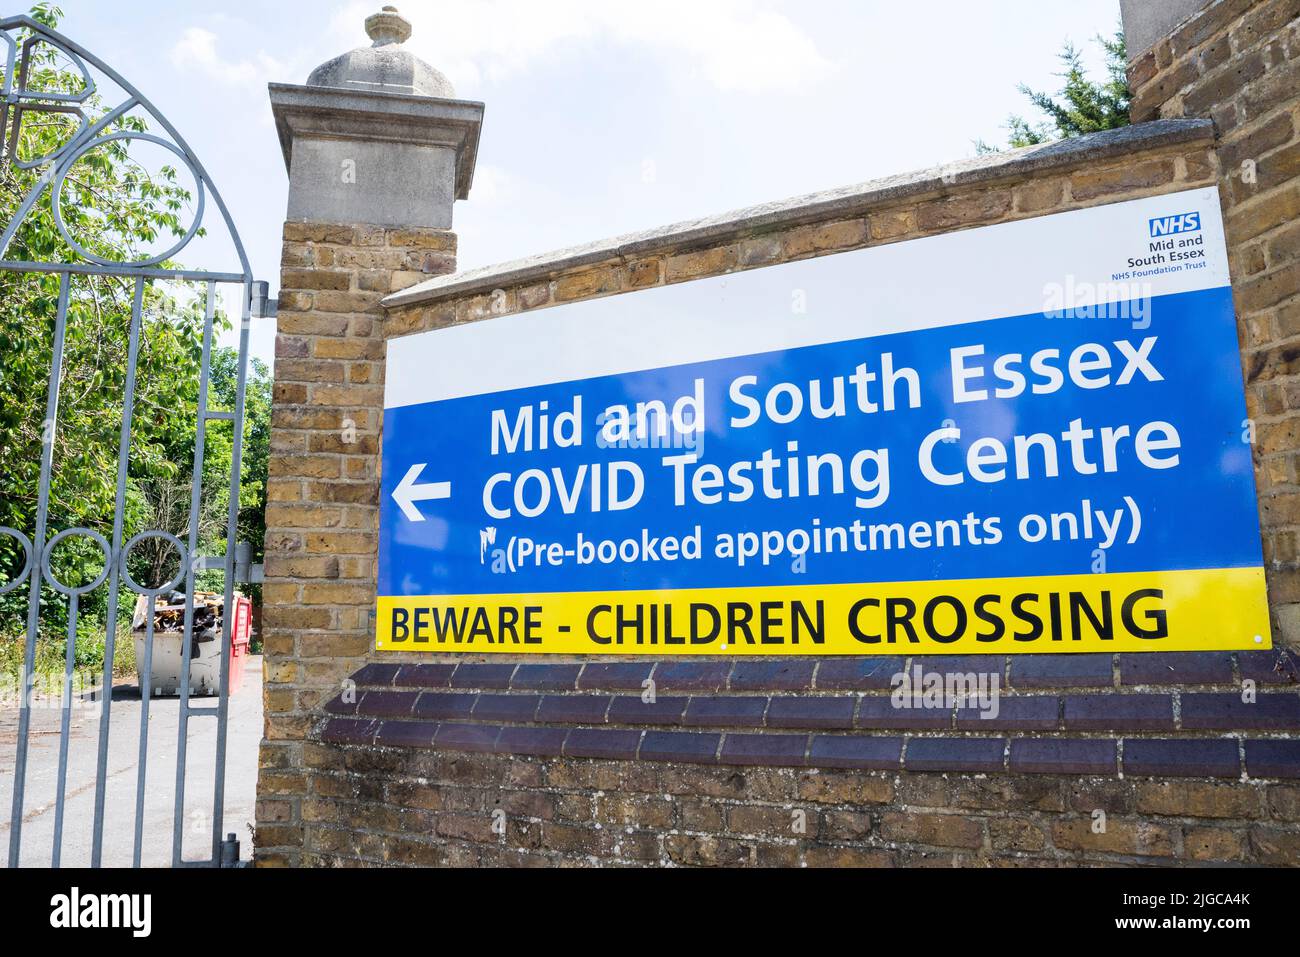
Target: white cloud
{"points": [[494, 186], [197, 50], [738, 46]]}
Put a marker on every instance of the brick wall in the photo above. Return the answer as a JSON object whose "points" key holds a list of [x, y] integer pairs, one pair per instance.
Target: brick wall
{"points": [[457, 761], [323, 493], [454, 761], [1238, 63], [807, 763]]}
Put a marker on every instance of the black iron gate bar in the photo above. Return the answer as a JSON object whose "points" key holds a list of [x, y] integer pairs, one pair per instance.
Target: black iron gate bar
{"points": [[17, 100]]}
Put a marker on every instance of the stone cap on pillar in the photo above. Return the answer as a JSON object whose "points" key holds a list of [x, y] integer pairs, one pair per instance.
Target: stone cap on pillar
{"points": [[376, 136]]}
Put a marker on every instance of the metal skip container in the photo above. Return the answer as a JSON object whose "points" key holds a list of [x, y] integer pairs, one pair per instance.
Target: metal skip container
{"points": [[205, 647]]}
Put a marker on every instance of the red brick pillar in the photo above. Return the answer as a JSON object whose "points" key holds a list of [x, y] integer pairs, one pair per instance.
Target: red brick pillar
{"points": [[378, 152], [323, 494], [1238, 63]]}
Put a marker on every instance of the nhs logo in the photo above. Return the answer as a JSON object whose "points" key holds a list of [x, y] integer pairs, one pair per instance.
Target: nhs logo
{"points": [[1169, 225]]}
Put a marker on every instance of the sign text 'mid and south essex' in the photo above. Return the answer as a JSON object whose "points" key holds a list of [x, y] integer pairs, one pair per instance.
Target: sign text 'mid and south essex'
{"points": [[1029, 438]]}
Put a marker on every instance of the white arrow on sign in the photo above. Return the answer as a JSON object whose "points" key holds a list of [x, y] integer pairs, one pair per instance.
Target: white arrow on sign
{"points": [[408, 493]]}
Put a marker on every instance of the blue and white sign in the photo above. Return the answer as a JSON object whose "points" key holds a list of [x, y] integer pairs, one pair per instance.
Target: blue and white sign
{"points": [[1029, 437]]}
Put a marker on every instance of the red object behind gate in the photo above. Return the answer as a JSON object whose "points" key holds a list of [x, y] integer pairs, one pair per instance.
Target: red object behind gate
{"points": [[241, 637]]}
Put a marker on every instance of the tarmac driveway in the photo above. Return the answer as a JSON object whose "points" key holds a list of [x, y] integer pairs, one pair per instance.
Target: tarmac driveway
{"points": [[243, 737]]}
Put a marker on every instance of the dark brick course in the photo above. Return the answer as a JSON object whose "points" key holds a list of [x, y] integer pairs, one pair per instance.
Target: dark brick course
{"points": [[387, 704], [725, 712], [1228, 712], [599, 743], [954, 754], [466, 737], [546, 677], [489, 676], [780, 675], [348, 731], [811, 712], [576, 709], [405, 734], [879, 712], [440, 706], [1269, 667], [691, 676], [376, 675], [680, 746], [340, 707], [1062, 671], [425, 676], [858, 674], [1273, 759], [615, 676], [765, 750], [542, 742], [1119, 712], [857, 751], [514, 708], [1187, 757], [1176, 668], [1062, 756], [1015, 713], [626, 710]]}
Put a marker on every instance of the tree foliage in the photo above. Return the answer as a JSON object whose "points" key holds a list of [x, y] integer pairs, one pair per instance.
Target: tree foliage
{"points": [[1082, 106], [118, 209]]}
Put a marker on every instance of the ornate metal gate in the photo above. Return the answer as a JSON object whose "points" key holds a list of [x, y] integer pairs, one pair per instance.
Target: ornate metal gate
{"points": [[26, 41]]}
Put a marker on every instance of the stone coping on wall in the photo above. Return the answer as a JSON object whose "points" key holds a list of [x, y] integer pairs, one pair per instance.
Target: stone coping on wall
{"points": [[1177, 715], [1062, 155]]}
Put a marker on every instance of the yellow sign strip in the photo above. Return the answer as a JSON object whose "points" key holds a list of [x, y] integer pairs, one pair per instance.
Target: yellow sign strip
{"points": [[1148, 611]]}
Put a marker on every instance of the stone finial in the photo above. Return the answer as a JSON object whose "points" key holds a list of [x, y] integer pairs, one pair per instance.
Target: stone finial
{"points": [[388, 27], [385, 66], [376, 136]]}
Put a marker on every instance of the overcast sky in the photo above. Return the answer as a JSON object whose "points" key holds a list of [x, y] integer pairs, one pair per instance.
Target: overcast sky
{"points": [[606, 116]]}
